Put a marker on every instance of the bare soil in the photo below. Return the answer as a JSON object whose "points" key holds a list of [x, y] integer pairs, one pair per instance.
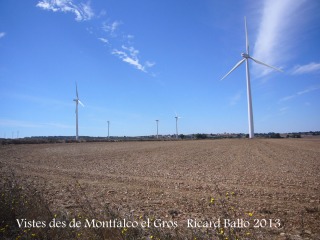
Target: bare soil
{"points": [[270, 178]]}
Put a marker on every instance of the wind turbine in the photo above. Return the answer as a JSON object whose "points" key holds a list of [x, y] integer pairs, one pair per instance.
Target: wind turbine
{"points": [[246, 56], [77, 100], [108, 129], [177, 117], [157, 128]]}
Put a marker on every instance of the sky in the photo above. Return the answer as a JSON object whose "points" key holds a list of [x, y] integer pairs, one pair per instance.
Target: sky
{"points": [[138, 61]]}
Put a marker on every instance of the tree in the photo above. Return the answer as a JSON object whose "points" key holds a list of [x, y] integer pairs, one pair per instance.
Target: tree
{"points": [[181, 136], [201, 136]]}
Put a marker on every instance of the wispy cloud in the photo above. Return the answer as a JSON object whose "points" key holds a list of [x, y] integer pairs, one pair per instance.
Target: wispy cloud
{"points": [[129, 36], [2, 34], [149, 64], [283, 110], [275, 36], [82, 11], [308, 90], [57, 125], [40, 100], [127, 53], [125, 50], [111, 27], [287, 98], [235, 99], [119, 43], [26, 124], [308, 68], [104, 40], [130, 55], [15, 123], [307, 103]]}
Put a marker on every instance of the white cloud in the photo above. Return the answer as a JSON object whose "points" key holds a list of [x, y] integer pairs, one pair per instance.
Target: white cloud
{"points": [[127, 53], [283, 110], [287, 98], [149, 64], [15, 123], [133, 52], [111, 27], [134, 62], [308, 90], [130, 55], [41, 100], [118, 53], [82, 11], [307, 103], [2, 34], [102, 13], [25, 124], [235, 99], [57, 125], [87, 10], [308, 68], [103, 40], [276, 29]]}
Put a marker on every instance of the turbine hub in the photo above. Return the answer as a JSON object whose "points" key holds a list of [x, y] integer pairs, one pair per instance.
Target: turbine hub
{"points": [[245, 55]]}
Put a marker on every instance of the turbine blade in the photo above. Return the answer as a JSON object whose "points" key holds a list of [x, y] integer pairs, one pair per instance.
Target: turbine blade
{"points": [[257, 61], [247, 39], [80, 103], [237, 65], [77, 91]]}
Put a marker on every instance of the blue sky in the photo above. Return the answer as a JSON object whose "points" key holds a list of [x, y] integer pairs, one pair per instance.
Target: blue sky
{"points": [[138, 61]]}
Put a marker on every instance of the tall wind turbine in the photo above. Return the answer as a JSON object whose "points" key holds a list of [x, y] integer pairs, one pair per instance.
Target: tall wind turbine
{"points": [[77, 100], [246, 56]]}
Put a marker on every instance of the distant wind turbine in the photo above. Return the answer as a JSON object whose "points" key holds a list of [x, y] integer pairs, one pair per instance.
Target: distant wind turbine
{"points": [[157, 128], [108, 129], [246, 56], [177, 117], [77, 100]]}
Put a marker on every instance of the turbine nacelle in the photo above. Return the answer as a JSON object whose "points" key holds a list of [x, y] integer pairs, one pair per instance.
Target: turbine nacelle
{"points": [[245, 55]]}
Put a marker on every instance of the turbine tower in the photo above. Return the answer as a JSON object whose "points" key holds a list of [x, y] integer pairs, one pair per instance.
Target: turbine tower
{"points": [[246, 56], [177, 117], [108, 129], [157, 128], [77, 100]]}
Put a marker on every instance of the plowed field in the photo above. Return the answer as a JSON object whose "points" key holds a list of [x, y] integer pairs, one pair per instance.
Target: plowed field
{"points": [[267, 178]]}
